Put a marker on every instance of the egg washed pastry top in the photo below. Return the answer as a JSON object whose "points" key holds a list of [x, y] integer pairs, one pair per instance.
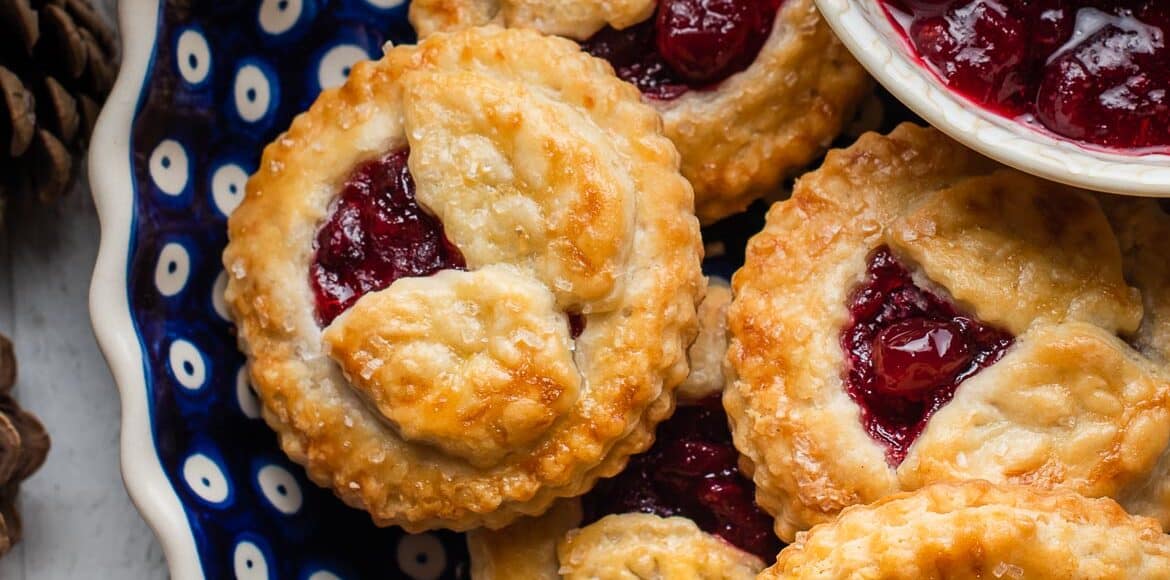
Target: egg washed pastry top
{"points": [[562, 543], [630, 546], [466, 280], [979, 530], [916, 313], [760, 118]]}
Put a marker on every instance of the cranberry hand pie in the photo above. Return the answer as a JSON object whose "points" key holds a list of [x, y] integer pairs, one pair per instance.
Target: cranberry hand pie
{"points": [[916, 313], [750, 91], [466, 280], [979, 530], [680, 510]]}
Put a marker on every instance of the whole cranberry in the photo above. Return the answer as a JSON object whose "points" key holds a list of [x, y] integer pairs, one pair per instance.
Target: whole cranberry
{"points": [[1111, 89], [704, 41], [980, 48], [915, 356]]}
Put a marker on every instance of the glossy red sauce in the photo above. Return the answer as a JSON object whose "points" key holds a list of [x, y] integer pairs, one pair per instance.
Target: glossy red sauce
{"points": [[687, 44], [376, 234], [691, 471], [1094, 71], [908, 350]]}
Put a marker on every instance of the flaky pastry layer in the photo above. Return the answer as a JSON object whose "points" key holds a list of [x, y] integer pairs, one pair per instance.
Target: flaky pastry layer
{"points": [[460, 400], [979, 530], [740, 140], [1080, 401], [631, 546]]}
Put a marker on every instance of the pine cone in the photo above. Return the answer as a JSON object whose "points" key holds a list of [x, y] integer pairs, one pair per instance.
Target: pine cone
{"points": [[24, 444], [58, 60]]}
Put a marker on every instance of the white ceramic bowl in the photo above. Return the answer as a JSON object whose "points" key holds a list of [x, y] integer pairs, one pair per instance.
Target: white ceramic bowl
{"points": [[863, 26]]}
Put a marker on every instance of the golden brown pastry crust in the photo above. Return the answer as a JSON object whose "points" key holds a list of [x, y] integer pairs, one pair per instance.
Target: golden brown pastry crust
{"points": [[645, 546], [1069, 405], [709, 351], [979, 530], [740, 140], [577, 174], [525, 549], [576, 19], [632, 546]]}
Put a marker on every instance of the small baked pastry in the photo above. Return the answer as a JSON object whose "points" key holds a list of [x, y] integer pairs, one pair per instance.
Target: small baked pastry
{"points": [[750, 91], [466, 280], [980, 530], [707, 353], [680, 510], [916, 313], [622, 546]]}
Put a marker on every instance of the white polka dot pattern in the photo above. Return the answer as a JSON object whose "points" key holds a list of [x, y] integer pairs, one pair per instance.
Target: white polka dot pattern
{"points": [[280, 488], [168, 167], [335, 65], [227, 187], [172, 270], [217, 300], [253, 93], [245, 396], [422, 556], [278, 16], [193, 56], [249, 562], [227, 78], [187, 364], [206, 479]]}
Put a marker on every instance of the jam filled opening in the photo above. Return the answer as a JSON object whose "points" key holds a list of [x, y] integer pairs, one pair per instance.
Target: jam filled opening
{"points": [[907, 352], [691, 471], [376, 234], [686, 44], [1094, 71]]}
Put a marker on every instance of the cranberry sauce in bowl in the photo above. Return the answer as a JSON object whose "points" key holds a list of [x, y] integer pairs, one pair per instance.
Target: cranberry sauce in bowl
{"points": [[1092, 71], [686, 44], [907, 351], [376, 234], [691, 471]]}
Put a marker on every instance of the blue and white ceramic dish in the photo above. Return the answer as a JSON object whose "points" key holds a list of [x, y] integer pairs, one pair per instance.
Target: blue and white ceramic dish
{"points": [[204, 85]]}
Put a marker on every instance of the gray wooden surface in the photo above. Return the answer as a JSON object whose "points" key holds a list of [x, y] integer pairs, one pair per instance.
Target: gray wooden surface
{"points": [[78, 520]]}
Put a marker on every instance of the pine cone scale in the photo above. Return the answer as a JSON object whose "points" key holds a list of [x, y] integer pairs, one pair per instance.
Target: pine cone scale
{"points": [[60, 108], [61, 36], [10, 459], [22, 120], [63, 65], [34, 439], [91, 22], [20, 20], [53, 166], [24, 445]]}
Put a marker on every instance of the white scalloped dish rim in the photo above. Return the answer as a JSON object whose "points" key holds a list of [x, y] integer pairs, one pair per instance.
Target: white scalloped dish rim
{"points": [[864, 28], [112, 181]]}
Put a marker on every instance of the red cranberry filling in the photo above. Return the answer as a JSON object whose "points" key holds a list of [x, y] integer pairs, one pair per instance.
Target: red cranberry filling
{"points": [[691, 471], [908, 350], [1097, 71], [376, 234], [688, 44]]}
